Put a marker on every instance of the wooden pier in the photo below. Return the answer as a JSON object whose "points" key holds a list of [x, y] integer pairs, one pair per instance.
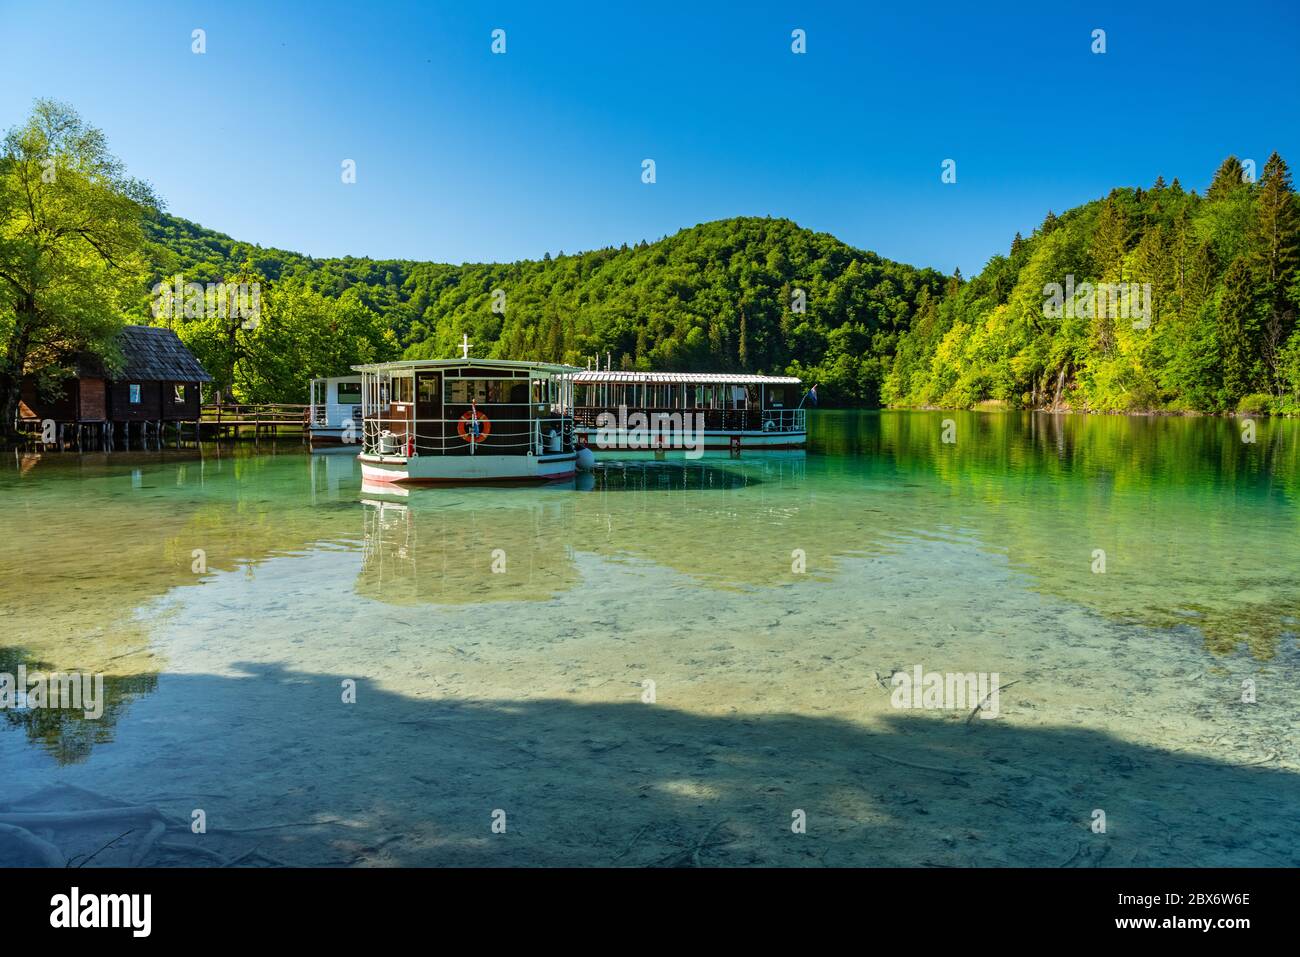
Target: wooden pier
{"points": [[224, 420]]}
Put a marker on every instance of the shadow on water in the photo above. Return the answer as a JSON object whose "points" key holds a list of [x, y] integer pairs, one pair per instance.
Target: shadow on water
{"points": [[302, 778]]}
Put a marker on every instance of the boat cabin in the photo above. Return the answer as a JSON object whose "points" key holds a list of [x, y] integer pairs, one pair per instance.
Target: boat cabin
{"points": [[465, 420], [334, 414], [725, 410]]}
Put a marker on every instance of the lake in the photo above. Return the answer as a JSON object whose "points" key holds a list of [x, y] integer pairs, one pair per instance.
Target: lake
{"points": [[668, 663]]}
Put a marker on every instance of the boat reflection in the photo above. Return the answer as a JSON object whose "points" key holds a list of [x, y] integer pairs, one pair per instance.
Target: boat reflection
{"points": [[464, 546], [710, 472]]}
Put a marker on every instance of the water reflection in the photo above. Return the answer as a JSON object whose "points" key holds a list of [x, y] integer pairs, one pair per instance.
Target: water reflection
{"points": [[443, 546], [1201, 532], [708, 473], [68, 734]]}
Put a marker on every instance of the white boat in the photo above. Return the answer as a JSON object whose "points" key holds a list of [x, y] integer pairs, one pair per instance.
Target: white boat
{"points": [[466, 420], [335, 411], [635, 414]]}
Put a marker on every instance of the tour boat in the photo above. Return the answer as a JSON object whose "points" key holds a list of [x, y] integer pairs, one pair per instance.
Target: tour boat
{"points": [[335, 411], [656, 413], [466, 420]]}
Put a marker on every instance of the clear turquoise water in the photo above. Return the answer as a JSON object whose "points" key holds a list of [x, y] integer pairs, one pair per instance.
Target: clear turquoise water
{"points": [[227, 593]]}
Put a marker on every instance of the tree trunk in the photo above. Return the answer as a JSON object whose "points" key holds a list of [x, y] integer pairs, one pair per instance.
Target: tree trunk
{"points": [[10, 394], [11, 375]]}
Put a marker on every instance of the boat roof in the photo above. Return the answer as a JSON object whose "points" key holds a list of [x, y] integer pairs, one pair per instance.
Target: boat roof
{"points": [[717, 378], [337, 378], [405, 364]]}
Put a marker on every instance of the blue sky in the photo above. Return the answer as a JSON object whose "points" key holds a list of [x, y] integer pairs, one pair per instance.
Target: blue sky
{"points": [[463, 155]]}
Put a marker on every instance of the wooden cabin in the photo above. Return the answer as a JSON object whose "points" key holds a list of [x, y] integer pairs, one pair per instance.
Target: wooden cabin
{"points": [[159, 383]]}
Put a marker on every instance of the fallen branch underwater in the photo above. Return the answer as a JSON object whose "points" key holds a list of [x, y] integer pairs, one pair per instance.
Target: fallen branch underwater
{"points": [[997, 690], [16, 819], [41, 852], [919, 767]]}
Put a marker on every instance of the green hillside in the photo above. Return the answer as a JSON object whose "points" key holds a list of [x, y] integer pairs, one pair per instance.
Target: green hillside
{"points": [[747, 293], [1205, 319], [1202, 317]]}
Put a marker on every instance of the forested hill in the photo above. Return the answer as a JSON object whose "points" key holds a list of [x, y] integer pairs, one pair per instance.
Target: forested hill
{"points": [[738, 294], [1200, 312], [1204, 316]]}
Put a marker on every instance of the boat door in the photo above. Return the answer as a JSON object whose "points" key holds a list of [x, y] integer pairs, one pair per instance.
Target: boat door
{"points": [[430, 430]]}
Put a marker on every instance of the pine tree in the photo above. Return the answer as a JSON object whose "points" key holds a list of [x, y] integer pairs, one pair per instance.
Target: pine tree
{"points": [[1227, 179], [1201, 275], [1277, 228], [742, 348], [1238, 328], [1276, 249], [1017, 245], [1109, 240]]}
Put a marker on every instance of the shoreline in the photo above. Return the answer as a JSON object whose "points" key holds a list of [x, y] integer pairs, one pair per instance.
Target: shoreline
{"points": [[1133, 413]]}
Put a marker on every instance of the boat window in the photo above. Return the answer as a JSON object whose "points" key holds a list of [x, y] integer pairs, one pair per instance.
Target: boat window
{"points": [[463, 391], [506, 391], [402, 389], [135, 393], [349, 393], [512, 391], [180, 394], [778, 396]]}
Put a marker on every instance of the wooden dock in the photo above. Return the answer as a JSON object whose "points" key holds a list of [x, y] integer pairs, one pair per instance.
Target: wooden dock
{"points": [[224, 420]]}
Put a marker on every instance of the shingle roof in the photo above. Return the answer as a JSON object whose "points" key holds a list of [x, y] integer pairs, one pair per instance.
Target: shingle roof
{"points": [[154, 354]]}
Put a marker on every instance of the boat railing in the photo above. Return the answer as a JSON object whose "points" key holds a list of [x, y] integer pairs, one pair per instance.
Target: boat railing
{"points": [[342, 413], [401, 436], [784, 420]]}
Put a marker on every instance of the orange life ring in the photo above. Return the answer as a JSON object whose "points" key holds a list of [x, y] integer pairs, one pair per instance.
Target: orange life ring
{"points": [[464, 428]]}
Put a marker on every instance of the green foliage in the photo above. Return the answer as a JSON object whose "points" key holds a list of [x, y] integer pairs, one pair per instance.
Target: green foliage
{"points": [[1223, 274], [740, 294], [70, 246], [764, 295]]}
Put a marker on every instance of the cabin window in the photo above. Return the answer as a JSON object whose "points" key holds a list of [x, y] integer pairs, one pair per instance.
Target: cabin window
{"points": [[464, 391], [507, 391], [778, 396], [135, 393], [427, 390], [511, 391], [180, 394], [349, 393], [402, 389]]}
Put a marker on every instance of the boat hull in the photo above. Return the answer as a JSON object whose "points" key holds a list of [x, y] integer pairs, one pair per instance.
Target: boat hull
{"points": [[323, 435], [429, 469]]}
